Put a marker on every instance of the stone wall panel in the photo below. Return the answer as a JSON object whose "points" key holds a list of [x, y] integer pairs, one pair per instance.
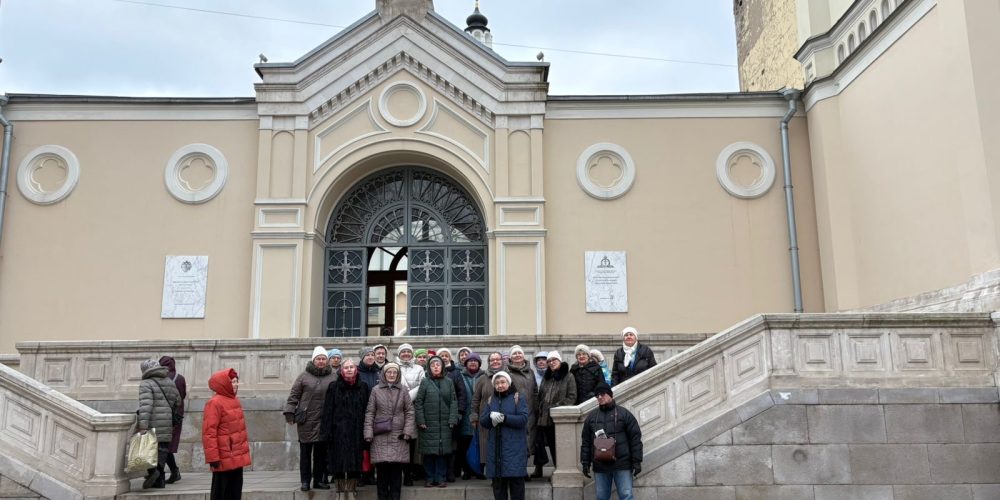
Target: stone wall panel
{"points": [[846, 424]]}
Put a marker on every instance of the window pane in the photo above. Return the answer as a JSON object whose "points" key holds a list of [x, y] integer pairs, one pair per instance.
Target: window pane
{"points": [[376, 315], [376, 294]]}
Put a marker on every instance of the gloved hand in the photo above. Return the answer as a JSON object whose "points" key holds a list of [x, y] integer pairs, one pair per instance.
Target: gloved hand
{"points": [[213, 465], [586, 470], [496, 417], [636, 469]]}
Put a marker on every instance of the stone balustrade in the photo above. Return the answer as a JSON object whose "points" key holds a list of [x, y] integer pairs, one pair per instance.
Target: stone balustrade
{"points": [[727, 375], [109, 370], [58, 447]]}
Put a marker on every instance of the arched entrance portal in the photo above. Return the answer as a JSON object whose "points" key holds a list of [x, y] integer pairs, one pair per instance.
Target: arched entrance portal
{"points": [[411, 231]]}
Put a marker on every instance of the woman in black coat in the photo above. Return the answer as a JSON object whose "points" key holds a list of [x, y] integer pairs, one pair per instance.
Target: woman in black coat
{"points": [[343, 426], [587, 373], [632, 358]]}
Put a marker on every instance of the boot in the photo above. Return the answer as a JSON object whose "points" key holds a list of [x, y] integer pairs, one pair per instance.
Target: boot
{"points": [[161, 480], [175, 475], [151, 478], [305, 486], [537, 473]]}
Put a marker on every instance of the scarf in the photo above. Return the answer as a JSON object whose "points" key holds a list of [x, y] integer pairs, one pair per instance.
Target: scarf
{"points": [[629, 353]]}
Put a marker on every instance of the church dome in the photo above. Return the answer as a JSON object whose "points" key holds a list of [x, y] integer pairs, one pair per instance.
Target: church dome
{"points": [[476, 21]]}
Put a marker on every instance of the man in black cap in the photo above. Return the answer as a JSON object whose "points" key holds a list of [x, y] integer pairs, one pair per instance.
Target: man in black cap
{"points": [[625, 461]]}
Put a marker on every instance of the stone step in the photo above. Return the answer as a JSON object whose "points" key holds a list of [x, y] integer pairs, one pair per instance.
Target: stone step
{"points": [[266, 485]]}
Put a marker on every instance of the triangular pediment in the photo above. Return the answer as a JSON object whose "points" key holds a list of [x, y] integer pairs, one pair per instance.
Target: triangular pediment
{"points": [[345, 67]]}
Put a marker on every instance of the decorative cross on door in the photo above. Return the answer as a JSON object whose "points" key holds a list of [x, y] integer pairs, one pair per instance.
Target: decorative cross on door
{"points": [[345, 268], [427, 266], [468, 266]]}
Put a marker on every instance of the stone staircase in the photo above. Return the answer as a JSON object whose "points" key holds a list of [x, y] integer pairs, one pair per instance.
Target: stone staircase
{"points": [[817, 406]]}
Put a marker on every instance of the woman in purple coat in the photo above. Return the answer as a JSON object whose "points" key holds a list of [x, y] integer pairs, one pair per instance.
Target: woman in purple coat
{"points": [[175, 473]]}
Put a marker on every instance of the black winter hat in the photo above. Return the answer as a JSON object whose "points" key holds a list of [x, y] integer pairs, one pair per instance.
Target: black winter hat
{"points": [[603, 388]]}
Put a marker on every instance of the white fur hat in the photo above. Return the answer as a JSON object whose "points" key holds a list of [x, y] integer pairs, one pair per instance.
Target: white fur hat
{"points": [[318, 351], [501, 374], [582, 348], [632, 330], [555, 355]]}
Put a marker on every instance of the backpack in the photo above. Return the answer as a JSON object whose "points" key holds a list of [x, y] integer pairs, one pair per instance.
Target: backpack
{"points": [[489, 400]]}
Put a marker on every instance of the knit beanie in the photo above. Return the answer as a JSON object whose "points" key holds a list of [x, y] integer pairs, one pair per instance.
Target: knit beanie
{"points": [[442, 350], [419, 352], [629, 329], [149, 364], [542, 355], [582, 348], [501, 374], [334, 352], [318, 351], [555, 355], [516, 348], [365, 350], [404, 347]]}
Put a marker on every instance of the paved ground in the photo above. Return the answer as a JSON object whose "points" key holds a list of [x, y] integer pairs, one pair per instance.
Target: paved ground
{"points": [[266, 485]]}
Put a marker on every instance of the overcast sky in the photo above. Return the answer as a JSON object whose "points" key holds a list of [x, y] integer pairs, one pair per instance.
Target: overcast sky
{"points": [[131, 48]]}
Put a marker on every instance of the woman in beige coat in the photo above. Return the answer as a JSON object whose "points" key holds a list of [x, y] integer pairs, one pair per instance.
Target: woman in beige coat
{"points": [[390, 451]]}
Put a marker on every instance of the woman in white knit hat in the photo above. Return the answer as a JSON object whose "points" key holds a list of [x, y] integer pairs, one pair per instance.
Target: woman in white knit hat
{"points": [[305, 409], [586, 372], [632, 358], [558, 389]]}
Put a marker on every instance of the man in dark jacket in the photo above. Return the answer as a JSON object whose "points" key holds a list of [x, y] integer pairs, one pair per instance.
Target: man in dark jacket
{"points": [[615, 422], [632, 358]]}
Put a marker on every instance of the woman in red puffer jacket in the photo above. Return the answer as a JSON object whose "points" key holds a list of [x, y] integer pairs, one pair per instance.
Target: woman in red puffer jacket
{"points": [[224, 436]]}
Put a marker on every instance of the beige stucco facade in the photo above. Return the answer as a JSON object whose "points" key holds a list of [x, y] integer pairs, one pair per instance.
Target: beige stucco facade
{"points": [[894, 185], [905, 177]]}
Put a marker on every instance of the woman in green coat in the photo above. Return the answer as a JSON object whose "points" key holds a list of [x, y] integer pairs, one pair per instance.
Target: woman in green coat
{"points": [[437, 413]]}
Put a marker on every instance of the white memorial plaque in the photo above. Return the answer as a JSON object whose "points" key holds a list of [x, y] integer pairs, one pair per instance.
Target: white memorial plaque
{"points": [[607, 282], [185, 281]]}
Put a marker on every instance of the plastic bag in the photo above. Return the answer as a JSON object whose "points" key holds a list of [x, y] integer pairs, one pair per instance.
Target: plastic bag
{"points": [[472, 456], [142, 452]]}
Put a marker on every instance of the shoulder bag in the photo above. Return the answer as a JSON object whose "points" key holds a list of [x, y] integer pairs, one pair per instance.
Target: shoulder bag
{"points": [[383, 425], [604, 447]]}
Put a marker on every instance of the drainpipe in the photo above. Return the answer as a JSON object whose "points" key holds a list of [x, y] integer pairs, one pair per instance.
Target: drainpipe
{"points": [[792, 96], [8, 132]]}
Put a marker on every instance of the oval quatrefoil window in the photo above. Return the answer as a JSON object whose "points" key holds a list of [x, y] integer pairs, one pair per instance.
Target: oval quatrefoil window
{"points": [[745, 170], [402, 104], [48, 174], [605, 171], [196, 173]]}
